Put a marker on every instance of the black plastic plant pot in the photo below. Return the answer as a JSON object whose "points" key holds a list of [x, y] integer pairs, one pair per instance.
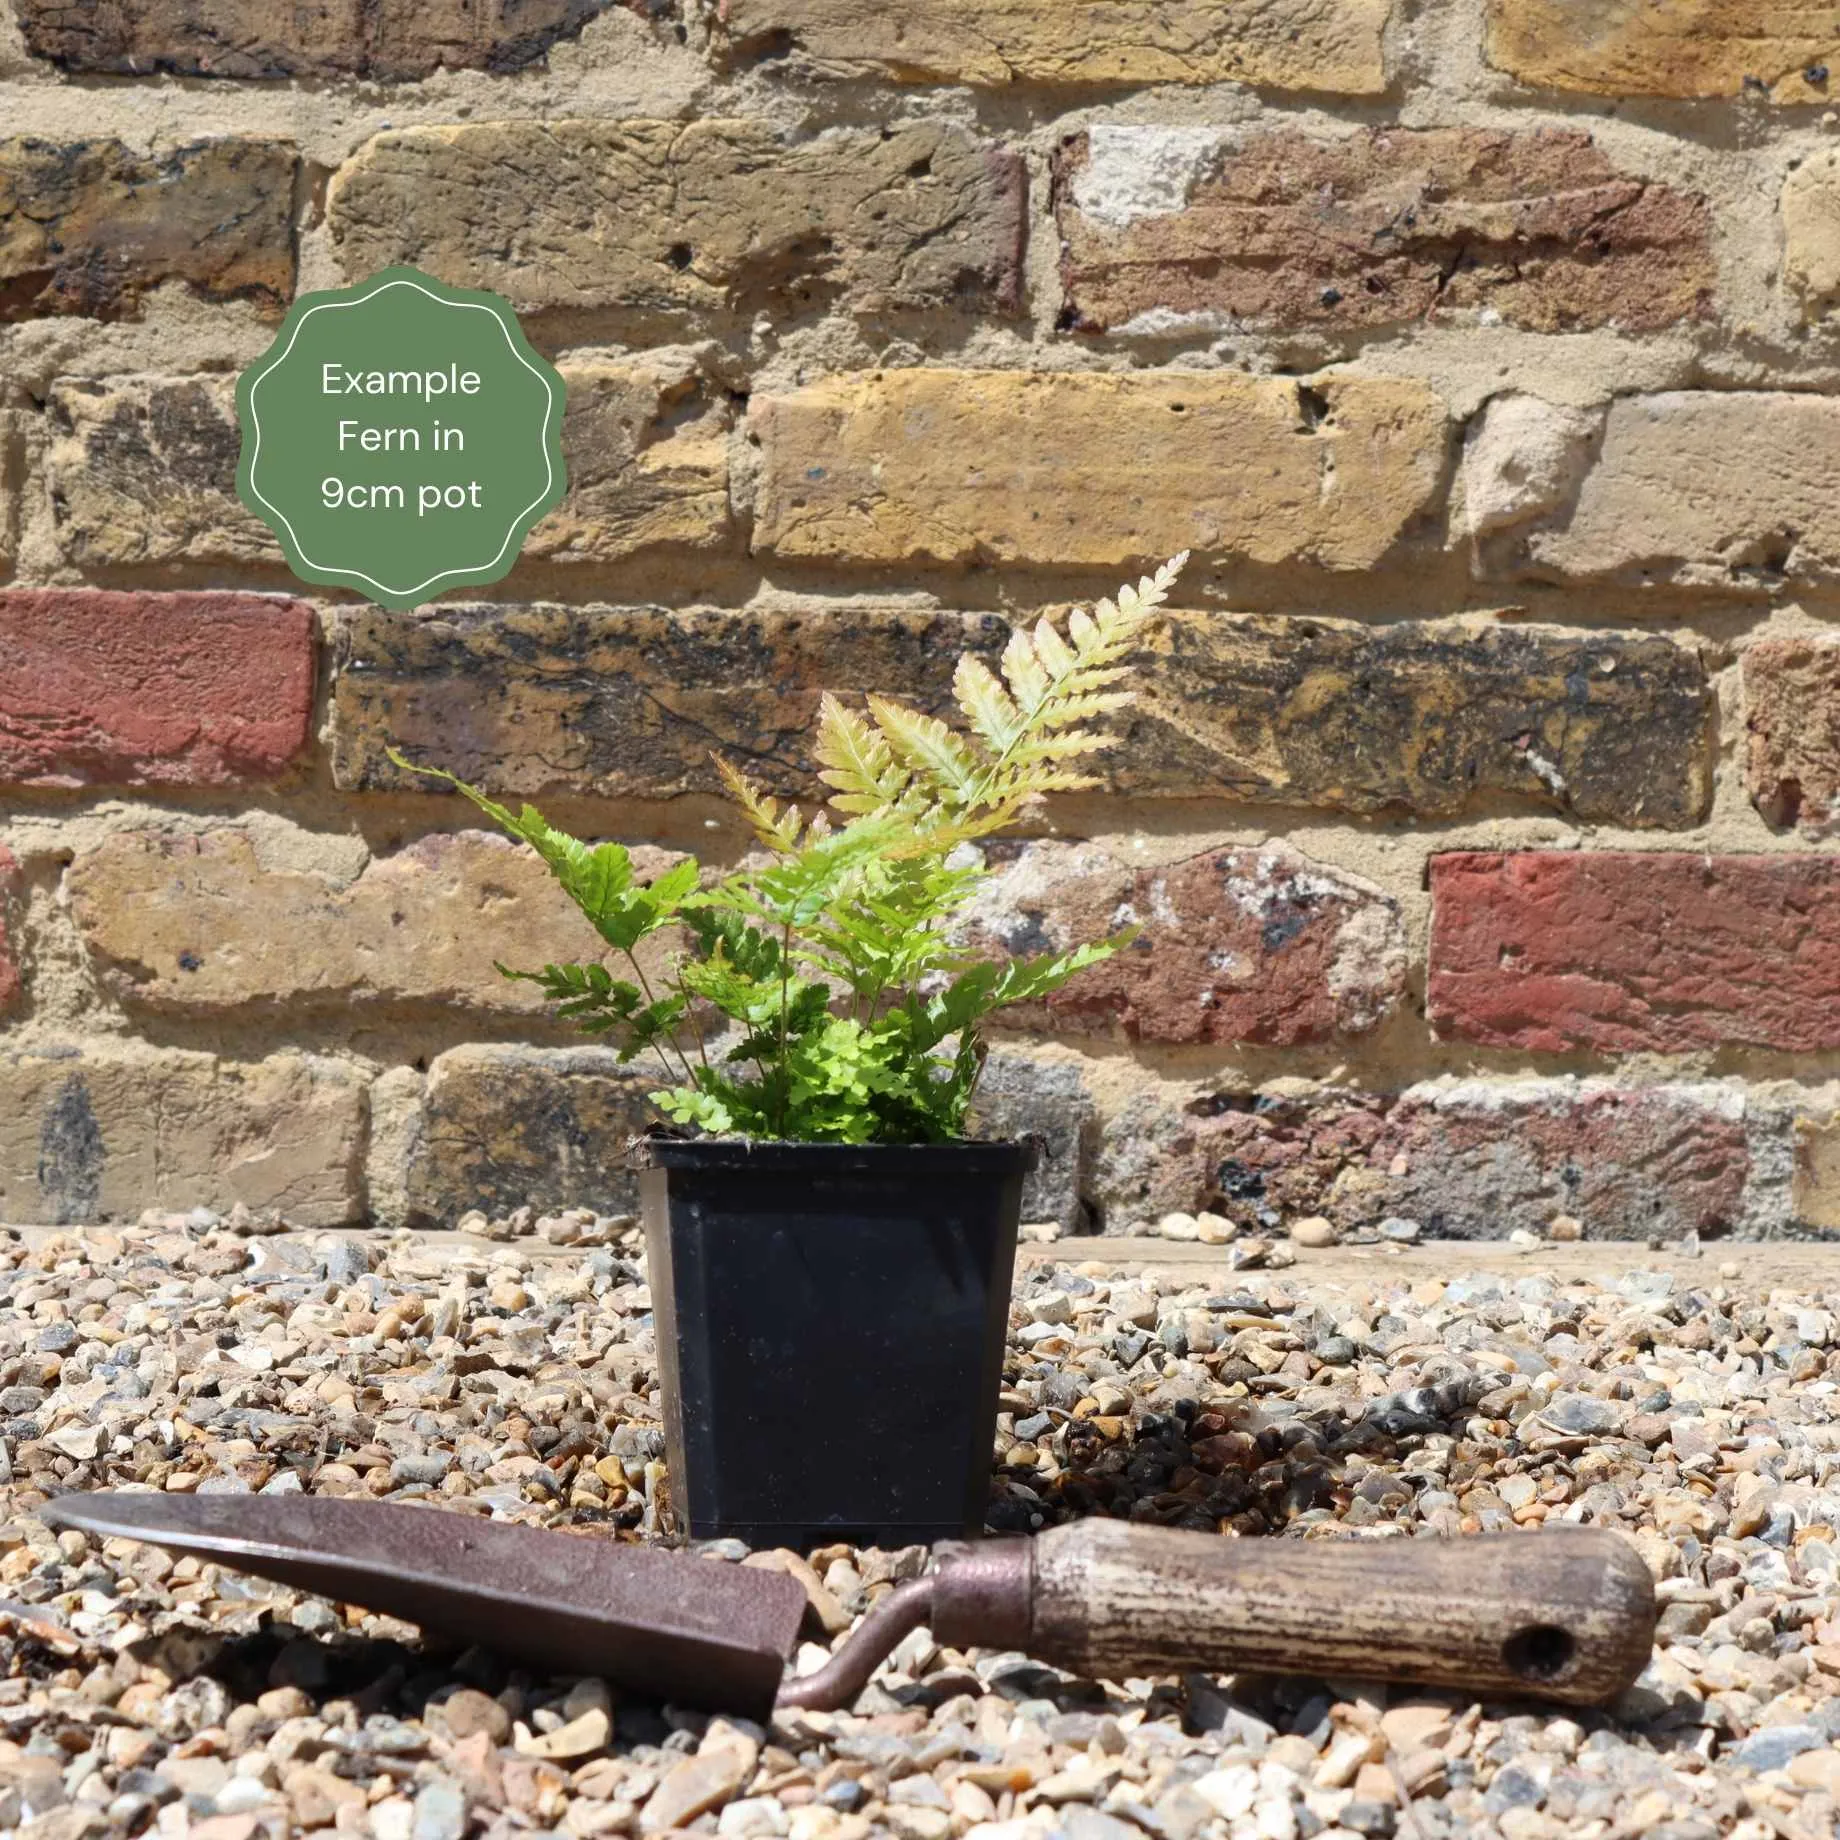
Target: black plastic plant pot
{"points": [[830, 1323]]}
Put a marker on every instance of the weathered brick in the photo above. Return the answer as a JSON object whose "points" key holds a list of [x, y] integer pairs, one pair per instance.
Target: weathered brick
{"points": [[1050, 1101], [647, 448], [1467, 1159], [1811, 231], [1815, 1188], [1418, 717], [102, 1131], [1239, 945], [1165, 1151], [11, 986], [1163, 226], [187, 689], [622, 702], [1700, 488], [1623, 952], [90, 226], [702, 215], [9, 491], [1792, 726], [1276, 44], [1473, 1159], [1668, 47], [632, 702], [1524, 458], [234, 918], [385, 40], [143, 469], [1103, 470], [502, 1127]]}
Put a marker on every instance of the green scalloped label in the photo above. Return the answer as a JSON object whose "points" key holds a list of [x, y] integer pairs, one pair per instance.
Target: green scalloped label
{"points": [[401, 438]]}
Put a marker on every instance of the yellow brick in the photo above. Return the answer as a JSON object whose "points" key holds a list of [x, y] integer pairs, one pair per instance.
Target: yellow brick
{"points": [[713, 215], [208, 924], [1321, 45], [1811, 231], [1105, 471], [1666, 47], [1817, 1172], [102, 1133]]}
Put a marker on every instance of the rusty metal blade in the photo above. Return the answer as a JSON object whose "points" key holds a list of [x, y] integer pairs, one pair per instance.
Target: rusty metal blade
{"points": [[696, 1632]]}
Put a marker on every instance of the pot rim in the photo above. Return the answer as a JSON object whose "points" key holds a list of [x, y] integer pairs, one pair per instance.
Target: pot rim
{"points": [[971, 1156]]}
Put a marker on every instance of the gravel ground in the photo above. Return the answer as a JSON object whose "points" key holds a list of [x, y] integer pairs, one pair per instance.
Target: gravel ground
{"points": [[1693, 1409]]}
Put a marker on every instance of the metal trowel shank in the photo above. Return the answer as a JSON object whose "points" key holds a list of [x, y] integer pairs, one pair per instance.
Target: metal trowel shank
{"points": [[691, 1631]]}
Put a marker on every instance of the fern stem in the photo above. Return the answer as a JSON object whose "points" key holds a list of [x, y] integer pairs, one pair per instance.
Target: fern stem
{"points": [[785, 986], [645, 986]]}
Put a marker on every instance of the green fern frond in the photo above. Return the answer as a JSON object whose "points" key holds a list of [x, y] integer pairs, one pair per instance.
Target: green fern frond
{"points": [[1066, 713]]}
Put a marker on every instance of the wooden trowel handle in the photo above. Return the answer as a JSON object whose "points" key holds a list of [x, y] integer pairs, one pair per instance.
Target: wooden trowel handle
{"points": [[1566, 1613]]}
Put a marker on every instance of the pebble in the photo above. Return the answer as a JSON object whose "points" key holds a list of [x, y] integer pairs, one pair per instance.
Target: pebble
{"points": [[1776, 1748], [467, 1711], [440, 1812], [1343, 1759], [1230, 1792], [1581, 1415], [1417, 1726], [580, 1737], [1314, 1230], [714, 1776], [1817, 1769], [1698, 1413]]}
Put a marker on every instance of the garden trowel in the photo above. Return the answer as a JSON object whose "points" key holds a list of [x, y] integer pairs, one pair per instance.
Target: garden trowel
{"points": [[1565, 1613]]}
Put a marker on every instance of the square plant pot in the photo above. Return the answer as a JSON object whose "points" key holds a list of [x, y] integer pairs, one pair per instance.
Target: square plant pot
{"points": [[830, 1323]]}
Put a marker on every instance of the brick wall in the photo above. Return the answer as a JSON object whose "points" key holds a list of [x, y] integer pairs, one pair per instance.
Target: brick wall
{"points": [[1486, 355]]}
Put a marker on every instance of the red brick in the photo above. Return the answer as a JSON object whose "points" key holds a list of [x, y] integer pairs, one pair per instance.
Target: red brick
{"points": [[1621, 952], [1257, 946], [10, 985], [102, 688], [1380, 227]]}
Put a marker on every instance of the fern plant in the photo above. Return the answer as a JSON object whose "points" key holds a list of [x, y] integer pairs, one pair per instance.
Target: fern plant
{"points": [[847, 1014]]}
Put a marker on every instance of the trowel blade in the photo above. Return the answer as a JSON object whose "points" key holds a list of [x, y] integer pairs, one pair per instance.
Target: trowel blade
{"points": [[696, 1632]]}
